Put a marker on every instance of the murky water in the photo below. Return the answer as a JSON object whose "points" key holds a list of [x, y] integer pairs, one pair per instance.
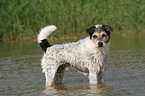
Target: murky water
{"points": [[20, 72]]}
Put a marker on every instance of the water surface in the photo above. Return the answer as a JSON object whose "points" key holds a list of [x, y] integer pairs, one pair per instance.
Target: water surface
{"points": [[20, 71]]}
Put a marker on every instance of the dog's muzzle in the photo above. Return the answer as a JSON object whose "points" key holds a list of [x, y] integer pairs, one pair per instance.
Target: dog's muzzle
{"points": [[100, 44]]}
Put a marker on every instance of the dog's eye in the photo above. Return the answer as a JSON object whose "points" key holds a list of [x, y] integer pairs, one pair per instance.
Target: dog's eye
{"points": [[104, 35], [94, 36]]}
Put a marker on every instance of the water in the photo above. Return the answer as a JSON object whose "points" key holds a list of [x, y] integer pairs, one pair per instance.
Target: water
{"points": [[20, 72]]}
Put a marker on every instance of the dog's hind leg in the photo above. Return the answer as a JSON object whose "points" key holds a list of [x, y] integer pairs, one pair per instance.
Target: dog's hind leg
{"points": [[49, 78], [50, 71], [55, 75], [60, 73]]}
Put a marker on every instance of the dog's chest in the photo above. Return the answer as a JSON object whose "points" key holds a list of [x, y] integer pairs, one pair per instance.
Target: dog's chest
{"points": [[89, 61], [85, 55]]}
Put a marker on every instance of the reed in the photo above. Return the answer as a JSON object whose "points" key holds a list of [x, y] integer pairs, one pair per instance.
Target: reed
{"points": [[22, 19]]}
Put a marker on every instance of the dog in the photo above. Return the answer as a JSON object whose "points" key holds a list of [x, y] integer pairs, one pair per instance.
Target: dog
{"points": [[88, 55]]}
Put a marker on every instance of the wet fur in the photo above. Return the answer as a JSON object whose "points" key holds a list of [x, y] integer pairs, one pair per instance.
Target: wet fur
{"points": [[88, 55]]}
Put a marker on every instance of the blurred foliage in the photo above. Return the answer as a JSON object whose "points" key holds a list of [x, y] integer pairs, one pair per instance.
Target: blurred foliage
{"points": [[22, 19]]}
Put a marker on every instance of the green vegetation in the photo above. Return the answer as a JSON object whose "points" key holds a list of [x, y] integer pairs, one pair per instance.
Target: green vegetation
{"points": [[22, 19]]}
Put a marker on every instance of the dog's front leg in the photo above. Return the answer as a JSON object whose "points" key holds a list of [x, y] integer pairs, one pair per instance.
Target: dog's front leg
{"points": [[101, 76], [93, 77]]}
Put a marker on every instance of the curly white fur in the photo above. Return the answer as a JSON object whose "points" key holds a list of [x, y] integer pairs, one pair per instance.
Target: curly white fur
{"points": [[45, 32], [82, 55]]}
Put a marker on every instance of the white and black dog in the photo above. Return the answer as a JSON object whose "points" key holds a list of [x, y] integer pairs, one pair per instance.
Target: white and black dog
{"points": [[88, 55]]}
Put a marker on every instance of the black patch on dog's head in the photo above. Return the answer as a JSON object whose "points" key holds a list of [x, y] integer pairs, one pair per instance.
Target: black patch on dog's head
{"points": [[91, 30], [105, 28]]}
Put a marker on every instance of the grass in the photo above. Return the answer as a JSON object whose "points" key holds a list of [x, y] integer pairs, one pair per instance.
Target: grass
{"points": [[22, 19]]}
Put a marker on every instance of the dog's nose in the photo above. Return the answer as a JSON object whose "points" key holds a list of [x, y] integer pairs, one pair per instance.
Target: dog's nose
{"points": [[100, 44]]}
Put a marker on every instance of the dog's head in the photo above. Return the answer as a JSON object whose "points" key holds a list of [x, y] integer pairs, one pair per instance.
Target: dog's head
{"points": [[100, 34]]}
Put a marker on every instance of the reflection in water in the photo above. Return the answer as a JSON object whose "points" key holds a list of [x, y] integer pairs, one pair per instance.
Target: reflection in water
{"points": [[77, 89]]}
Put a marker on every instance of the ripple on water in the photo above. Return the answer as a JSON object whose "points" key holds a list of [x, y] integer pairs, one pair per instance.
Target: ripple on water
{"points": [[124, 75]]}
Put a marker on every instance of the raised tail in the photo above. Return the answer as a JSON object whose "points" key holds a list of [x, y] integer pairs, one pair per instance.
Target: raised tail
{"points": [[42, 37]]}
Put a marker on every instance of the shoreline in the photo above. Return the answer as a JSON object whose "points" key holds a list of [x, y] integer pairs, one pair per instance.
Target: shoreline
{"points": [[71, 37]]}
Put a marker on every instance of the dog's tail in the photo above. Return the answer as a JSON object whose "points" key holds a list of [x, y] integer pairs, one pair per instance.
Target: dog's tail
{"points": [[42, 37]]}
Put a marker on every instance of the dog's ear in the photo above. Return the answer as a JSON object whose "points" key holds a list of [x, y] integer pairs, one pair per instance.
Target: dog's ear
{"points": [[108, 28], [91, 30]]}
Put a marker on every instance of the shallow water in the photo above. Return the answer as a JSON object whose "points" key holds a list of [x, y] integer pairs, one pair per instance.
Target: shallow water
{"points": [[20, 72]]}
